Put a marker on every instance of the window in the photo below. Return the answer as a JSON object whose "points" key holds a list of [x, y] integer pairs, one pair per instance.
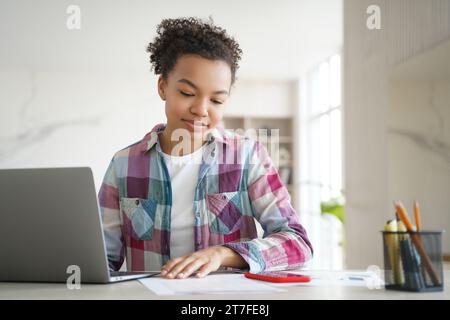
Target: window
{"points": [[321, 162]]}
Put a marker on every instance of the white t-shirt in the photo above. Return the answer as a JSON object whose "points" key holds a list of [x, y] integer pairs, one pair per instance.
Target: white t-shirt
{"points": [[183, 173]]}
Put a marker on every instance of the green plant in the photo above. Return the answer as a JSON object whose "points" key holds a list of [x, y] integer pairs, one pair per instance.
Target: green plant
{"points": [[334, 206]]}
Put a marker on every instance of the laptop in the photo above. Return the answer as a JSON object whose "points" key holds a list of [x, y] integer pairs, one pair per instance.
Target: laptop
{"points": [[50, 228]]}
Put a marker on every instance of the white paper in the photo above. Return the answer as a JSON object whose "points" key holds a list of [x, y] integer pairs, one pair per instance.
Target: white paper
{"points": [[368, 279], [211, 284]]}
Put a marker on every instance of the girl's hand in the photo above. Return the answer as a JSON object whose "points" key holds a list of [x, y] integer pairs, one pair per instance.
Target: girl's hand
{"points": [[205, 261]]}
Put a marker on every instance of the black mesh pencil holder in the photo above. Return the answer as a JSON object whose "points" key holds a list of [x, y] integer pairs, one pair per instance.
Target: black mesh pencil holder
{"points": [[413, 261]]}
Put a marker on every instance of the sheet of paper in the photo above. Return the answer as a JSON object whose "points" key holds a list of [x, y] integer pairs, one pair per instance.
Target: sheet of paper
{"points": [[211, 284], [350, 278]]}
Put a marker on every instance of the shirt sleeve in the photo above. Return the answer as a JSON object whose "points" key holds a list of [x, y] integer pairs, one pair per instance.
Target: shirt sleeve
{"points": [[285, 244], [111, 223]]}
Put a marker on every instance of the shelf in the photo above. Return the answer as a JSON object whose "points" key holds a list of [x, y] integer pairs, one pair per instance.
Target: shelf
{"points": [[284, 139], [281, 157]]}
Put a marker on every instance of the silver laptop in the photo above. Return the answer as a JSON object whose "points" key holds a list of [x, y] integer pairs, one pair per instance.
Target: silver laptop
{"points": [[50, 228]]}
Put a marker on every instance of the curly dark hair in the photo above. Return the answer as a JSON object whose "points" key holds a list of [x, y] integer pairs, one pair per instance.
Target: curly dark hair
{"points": [[176, 37]]}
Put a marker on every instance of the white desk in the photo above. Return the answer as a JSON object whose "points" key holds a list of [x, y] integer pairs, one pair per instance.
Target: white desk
{"points": [[135, 290]]}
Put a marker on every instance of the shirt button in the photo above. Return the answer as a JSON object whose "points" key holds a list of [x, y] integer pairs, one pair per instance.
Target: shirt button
{"points": [[137, 202]]}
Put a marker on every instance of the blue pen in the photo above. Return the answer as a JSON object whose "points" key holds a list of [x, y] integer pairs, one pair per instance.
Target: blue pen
{"points": [[356, 278]]}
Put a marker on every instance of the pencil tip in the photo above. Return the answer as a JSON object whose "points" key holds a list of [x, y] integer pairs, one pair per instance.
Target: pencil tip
{"points": [[399, 203]]}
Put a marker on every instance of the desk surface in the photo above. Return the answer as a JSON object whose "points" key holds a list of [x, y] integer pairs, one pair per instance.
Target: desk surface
{"points": [[135, 290]]}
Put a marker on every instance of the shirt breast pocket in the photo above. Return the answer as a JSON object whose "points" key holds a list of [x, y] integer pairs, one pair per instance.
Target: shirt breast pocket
{"points": [[140, 217], [224, 211]]}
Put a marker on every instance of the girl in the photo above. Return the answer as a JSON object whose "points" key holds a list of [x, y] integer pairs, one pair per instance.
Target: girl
{"points": [[190, 206]]}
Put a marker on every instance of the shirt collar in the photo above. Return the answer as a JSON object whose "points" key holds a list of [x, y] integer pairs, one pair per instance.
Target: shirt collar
{"points": [[150, 139]]}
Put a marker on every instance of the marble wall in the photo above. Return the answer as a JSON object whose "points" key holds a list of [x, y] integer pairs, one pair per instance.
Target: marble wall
{"points": [[55, 119], [419, 150], [371, 140]]}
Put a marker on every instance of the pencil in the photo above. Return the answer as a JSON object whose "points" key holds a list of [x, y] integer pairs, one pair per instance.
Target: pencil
{"points": [[418, 244], [417, 216], [393, 250]]}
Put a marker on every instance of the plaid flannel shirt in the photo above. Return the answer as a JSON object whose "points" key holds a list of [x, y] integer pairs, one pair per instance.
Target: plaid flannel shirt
{"points": [[237, 184]]}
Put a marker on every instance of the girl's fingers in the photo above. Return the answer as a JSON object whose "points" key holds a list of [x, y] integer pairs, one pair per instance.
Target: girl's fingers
{"points": [[169, 265], [176, 269], [191, 268], [206, 269]]}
